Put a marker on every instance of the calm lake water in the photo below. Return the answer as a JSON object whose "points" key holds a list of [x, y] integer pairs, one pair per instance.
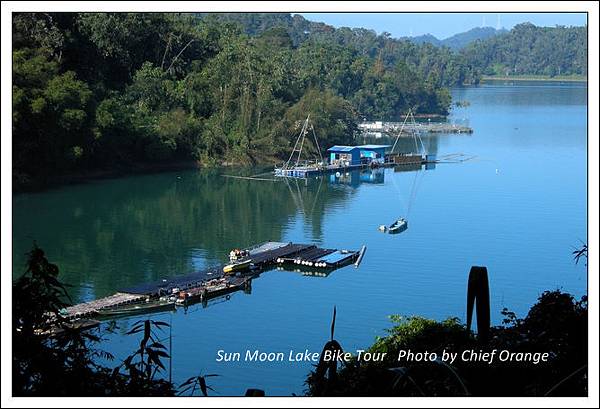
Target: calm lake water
{"points": [[519, 207]]}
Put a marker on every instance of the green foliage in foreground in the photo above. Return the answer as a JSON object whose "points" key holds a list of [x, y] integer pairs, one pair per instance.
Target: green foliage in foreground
{"points": [[107, 90], [68, 364], [556, 324]]}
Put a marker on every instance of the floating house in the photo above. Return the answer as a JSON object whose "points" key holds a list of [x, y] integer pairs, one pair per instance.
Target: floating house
{"points": [[344, 156], [347, 156], [373, 153]]}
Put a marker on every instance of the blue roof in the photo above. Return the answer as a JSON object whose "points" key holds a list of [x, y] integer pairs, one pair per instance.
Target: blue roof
{"points": [[342, 148], [373, 146]]}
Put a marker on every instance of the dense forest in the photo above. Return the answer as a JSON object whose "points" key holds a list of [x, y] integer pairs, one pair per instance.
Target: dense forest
{"points": [[108, 91], [460, 59], [531, 50], [102, 91], [437, 65]]}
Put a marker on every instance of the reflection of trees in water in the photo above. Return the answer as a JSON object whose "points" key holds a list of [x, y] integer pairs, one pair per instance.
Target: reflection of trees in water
{"points": [[311, 198], [122, 232]]}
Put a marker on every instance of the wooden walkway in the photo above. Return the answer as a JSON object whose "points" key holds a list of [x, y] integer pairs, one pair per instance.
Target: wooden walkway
{"points": [[262, 256], [91, 308]]}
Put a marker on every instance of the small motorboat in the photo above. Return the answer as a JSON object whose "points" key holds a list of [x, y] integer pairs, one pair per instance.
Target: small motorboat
{"points": [[398, 226], [230, 268], [165, 303]]}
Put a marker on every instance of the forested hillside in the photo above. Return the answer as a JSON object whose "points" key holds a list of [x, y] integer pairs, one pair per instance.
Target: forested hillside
{"points": [[461, 40], [531, 50], [439, 65], [99, 91]]}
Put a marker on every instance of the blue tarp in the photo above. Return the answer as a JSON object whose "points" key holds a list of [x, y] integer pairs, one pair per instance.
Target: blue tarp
{"points": [[335, 257]]}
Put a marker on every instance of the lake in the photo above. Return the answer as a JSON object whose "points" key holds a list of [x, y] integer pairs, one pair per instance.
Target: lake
{"points": [[518, 206]]}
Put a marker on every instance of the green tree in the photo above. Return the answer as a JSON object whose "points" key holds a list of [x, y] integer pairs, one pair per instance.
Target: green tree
{"points": [[113, 90]]}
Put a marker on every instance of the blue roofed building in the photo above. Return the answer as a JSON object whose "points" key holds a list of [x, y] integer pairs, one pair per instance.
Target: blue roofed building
{"points": [[372, 153], [341, 155]]}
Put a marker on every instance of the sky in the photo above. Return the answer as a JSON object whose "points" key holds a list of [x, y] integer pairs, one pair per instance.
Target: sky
{"points": [[442, 25]]}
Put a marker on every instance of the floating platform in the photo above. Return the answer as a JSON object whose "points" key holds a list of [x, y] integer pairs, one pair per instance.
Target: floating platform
{"points": [[390, 160], [380, 129], [214, 289], [260, 255], [211, 282], [393, 159], [433, 127], [321, 258], [308, 171], [91, 308]]}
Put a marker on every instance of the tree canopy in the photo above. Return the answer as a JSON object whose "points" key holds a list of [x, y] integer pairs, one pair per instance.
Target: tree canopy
{"points": [[94, 91], [103, 90], [531, 50]]}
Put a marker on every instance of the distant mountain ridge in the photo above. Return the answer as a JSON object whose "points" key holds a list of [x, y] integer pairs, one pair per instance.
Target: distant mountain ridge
{"points": [[460, 40], [524, 50], [300, 28]]}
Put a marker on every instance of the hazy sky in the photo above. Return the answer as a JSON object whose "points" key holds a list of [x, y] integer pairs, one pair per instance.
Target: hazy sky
{"points": [[441, 25]]}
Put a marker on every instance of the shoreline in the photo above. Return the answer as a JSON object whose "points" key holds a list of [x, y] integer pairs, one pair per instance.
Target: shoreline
{"points": [[123, 171], [533, 78], [102, 174]]}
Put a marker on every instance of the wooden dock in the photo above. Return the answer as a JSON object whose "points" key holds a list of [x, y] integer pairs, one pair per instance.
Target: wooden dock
{"points": [[91, 308], [391, 160], [432, 128], [408, 129], [262, 257]]}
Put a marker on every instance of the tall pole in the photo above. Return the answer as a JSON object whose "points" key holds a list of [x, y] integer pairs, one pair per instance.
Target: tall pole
{"points": [[400, 133]]}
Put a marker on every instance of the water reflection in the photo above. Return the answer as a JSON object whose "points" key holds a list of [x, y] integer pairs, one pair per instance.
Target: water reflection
{"points": [[117, 233], [356, 177], [528, 93], [407, 144]]}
